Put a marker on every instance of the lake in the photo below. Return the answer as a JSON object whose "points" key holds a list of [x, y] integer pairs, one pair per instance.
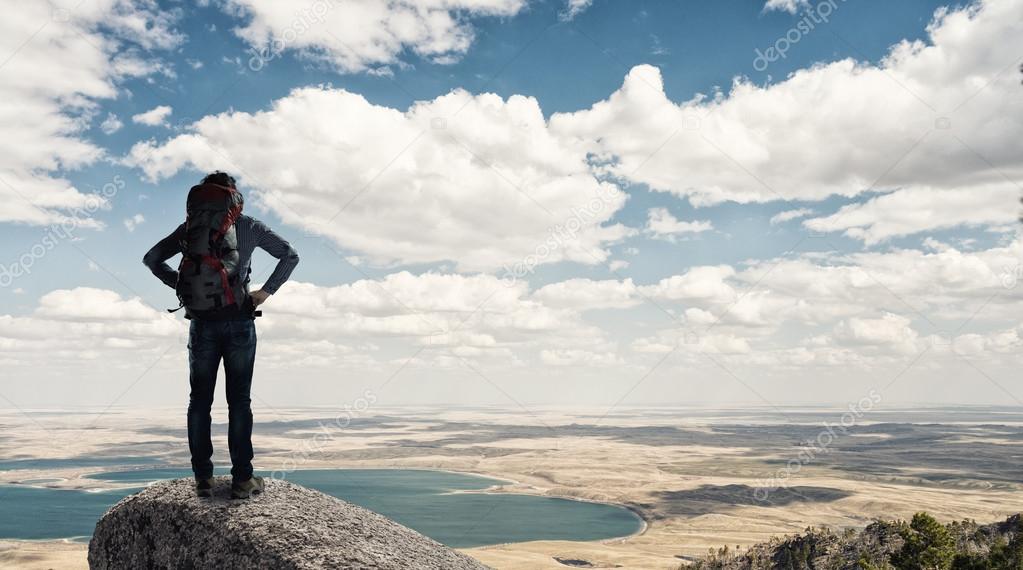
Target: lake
{"points": [[438, 504]]}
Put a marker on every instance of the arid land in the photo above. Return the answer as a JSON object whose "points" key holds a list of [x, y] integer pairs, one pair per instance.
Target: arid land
{"points": [[699, 478]]}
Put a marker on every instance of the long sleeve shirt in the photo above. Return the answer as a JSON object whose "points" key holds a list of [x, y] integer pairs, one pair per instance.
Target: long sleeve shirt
{"points": [[251, 233]]}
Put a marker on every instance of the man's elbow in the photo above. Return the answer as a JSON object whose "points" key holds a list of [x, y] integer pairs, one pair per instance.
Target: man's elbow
{"points": [[292, 256], [149, 259]]}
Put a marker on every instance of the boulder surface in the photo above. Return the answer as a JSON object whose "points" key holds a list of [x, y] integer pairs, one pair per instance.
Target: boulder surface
{"points": [[286, 527]]}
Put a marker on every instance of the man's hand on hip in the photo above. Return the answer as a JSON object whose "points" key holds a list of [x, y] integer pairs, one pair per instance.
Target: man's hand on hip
{"points": [[259, 297]]}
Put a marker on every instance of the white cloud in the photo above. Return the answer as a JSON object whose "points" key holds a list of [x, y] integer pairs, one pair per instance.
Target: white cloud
{"points": [[812, 316], [583, 294], [917, 209], [142, 22], [577, 357], [723, 344], [87, 344], [474, 179], [825, 309], [662, 224], [704, 282], [675, 339], [939, 290], [789, 215], [448, 161], [439, 310], [945, 128], [855, 316], [573, 8], [360, 36], [948, 282], [478, 317], [61, 61], [85, 304], [133, 222], [790, 6], [111, 124], [998, 342], [155, 117], [888, 332]]}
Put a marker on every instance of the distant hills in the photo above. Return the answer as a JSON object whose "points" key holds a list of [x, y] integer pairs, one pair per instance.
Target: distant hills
{"points": [[920, 544]]}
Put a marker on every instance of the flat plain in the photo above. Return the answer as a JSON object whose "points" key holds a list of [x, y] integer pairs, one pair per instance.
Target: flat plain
{"points": [[700, 478]]}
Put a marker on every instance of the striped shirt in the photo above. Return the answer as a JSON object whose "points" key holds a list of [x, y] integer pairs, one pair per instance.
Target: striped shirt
{"points": [[251, 233]]}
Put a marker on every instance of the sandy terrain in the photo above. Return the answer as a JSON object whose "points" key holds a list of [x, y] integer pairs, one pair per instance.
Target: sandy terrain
{"points": [[693, 477], [42, 555]]}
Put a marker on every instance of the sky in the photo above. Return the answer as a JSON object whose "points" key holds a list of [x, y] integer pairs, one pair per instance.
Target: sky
{"points": [[525, 203]]}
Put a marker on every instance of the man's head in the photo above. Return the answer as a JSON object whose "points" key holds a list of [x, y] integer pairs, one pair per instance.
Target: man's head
{"points": [[219, 178]]}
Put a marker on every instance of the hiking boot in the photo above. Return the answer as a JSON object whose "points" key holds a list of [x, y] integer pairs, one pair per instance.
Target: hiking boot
{"points": [[204, 487], [246, 489]]}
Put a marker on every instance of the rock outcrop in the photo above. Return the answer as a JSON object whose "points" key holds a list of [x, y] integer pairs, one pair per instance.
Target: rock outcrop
{"points": [[921, 543], [287, 527]]}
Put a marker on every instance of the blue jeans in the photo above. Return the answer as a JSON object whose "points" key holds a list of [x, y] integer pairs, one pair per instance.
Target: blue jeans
{"points": [[208, 343]]}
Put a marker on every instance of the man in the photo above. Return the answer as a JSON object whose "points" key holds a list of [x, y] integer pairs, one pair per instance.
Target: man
{"points": [[227, 333]]}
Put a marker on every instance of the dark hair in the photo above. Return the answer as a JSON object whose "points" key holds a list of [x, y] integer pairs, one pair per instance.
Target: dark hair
{"points": [[219, 178]]}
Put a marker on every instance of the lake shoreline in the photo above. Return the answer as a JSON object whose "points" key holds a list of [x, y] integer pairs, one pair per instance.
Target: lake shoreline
{"points": [[645, 521], [71, 552], [472, 483], [526, 489]]}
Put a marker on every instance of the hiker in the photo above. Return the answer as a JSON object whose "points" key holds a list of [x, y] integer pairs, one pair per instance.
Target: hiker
{"points": [[212, 282]]}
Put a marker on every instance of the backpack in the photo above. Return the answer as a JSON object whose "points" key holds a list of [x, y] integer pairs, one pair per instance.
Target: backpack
{"points": [[208, 273]]}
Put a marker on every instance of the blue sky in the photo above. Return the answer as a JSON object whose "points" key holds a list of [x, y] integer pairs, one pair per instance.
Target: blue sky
{"points": [[700, 48], [634, 286]]}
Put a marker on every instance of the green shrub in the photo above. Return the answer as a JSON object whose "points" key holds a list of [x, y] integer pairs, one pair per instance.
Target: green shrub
{"points": [[928, 545]]}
